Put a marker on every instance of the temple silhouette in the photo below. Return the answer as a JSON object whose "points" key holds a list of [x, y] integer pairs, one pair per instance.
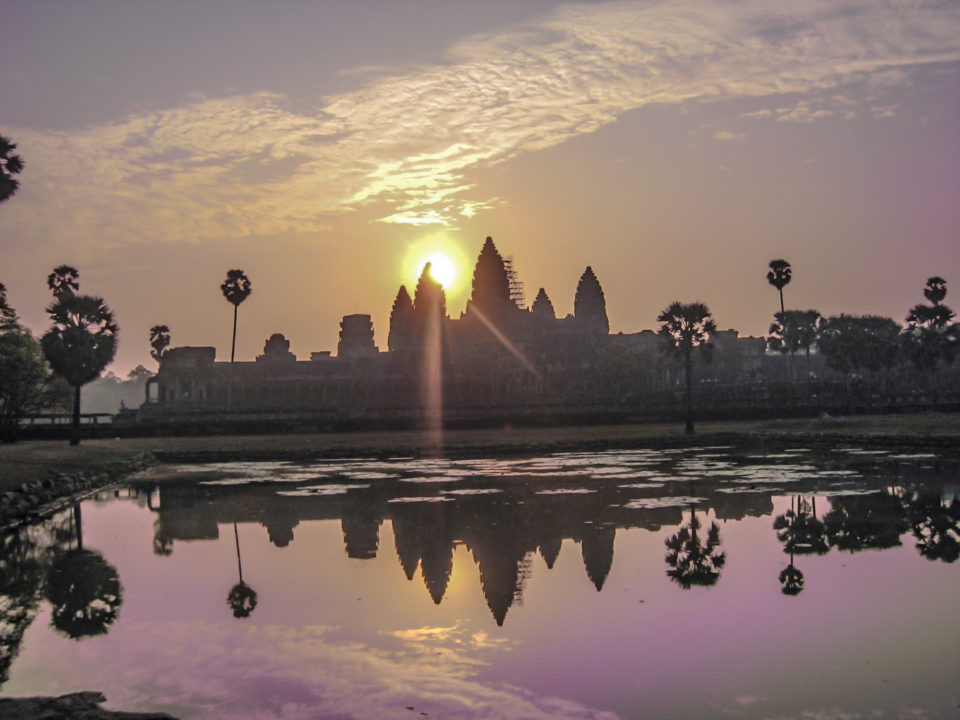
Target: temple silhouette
{"points": [[497, 362]]}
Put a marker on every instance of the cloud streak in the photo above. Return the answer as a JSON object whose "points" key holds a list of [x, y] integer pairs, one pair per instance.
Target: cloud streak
{"points": [[401, 149]]}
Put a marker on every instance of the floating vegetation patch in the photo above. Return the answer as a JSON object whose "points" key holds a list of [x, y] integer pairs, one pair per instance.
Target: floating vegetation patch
{"points": [[230, 481], [430, 499], [678, 501], [472, 491], [852, 491], [775, 473], [566, 491], [749, 489], [370, 476], [427, 479], [331, 489], [860, 451], [625, 476], [642, 485]]}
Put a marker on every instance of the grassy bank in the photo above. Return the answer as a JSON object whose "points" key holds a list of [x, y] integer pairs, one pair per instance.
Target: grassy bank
{"points": [[39, 460]]}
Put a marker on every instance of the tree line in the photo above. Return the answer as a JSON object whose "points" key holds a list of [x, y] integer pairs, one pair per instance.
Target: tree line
{"points": [[851, 344]]}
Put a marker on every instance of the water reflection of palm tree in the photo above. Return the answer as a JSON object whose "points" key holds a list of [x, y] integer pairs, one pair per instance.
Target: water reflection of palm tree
{"points": [[791, 578], [861, 522], [83, 590], [242, 598], [935, 525], [800, 531], [693, 561]]}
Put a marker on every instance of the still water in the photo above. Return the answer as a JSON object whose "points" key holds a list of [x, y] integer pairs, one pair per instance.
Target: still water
{"points": [[703, 582]]}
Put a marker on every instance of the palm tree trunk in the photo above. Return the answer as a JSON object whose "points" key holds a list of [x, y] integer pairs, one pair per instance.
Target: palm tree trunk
{"points": [[233, 345], [781, 299], [689, 429], [75, 430], [78, 523], [236, 538]]}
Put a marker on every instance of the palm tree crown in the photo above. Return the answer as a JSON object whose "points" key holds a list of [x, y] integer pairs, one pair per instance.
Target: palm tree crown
{"points": [[63, 280], [936, 290], [236, 288], [685, 327], [10, 165], [779, 275], [159, 339]]}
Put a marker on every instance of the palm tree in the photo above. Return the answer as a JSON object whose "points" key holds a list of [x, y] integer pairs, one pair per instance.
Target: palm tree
{"points": [[63, 280], [159, 339], [10, 165], [930, 339], [242, 598], [236, 289], [779, 275], [685, 328], [81, 343], [935, 290]]}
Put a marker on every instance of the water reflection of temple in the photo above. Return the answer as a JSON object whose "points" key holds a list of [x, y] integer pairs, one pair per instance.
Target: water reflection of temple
{"points": [[501, 533], [49, 563], [504, 530], [497, 359]]}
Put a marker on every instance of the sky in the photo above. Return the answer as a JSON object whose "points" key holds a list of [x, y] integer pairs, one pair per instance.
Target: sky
{"points": [[329, 148]]}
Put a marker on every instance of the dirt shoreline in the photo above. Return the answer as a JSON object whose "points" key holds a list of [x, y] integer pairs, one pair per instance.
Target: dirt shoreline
{"points": [[39, 477]]}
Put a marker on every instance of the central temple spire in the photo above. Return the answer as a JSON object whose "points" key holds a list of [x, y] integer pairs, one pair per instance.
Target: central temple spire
{"points": [[491, 286]]}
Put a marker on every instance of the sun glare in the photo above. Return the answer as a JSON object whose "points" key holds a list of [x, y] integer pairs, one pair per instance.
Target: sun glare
{"points": [[448, 264], [442, 269]]}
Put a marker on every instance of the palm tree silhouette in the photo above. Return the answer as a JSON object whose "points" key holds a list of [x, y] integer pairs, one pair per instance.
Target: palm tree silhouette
{"points": [[684, 328], [935, 290], [159, 339], [242, 598], [63, 280], [779, 275], [693, 561], [10, 165], [236, 288], [81, 343]]}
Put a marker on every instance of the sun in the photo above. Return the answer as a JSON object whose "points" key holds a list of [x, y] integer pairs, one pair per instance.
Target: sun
{"points": [[442, 269], [448, 265]]}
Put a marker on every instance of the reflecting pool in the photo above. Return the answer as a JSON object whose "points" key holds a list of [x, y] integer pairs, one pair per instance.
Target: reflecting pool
{"points": [[701, 582]]}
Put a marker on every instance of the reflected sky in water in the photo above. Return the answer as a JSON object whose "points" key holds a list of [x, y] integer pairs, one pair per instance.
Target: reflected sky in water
{"points": [[669, 584]]}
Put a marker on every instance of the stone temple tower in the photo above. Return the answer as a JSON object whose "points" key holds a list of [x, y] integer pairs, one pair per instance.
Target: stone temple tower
{"points": [[589, 306], [356, 338]]}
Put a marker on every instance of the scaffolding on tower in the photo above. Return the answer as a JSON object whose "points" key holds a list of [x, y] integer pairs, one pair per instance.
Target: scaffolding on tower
{"points": [[516, 285]]}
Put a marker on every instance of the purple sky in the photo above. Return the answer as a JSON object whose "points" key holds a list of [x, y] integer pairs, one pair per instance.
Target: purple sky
{"points": [[676, 147]]}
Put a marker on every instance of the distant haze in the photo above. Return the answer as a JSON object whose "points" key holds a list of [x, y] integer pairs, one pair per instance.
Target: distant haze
{"points": [[676, 147]]}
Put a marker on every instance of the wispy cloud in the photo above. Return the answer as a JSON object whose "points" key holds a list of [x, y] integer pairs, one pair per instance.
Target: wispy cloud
{"points": [[402, 148]]}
